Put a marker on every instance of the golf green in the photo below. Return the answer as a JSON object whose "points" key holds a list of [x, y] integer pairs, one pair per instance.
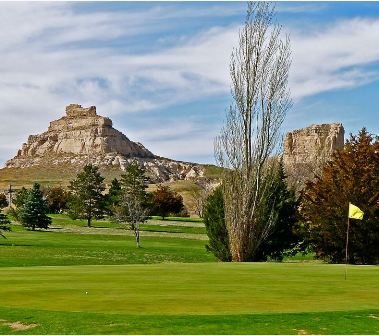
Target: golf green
{"points": [[182, 289]]}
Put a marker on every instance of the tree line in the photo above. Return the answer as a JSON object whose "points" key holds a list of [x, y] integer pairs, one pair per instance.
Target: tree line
{"points": [[127, 201]]}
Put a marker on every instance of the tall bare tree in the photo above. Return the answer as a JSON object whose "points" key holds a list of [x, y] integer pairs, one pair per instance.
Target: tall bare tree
{"points": [[251, 136]]}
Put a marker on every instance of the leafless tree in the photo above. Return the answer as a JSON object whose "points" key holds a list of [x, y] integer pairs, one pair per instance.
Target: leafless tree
{"points": [[251, 136], [132, 212]]}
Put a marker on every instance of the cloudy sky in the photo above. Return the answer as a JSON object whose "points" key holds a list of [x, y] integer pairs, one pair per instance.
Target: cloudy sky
{"points": [[160, 69]]}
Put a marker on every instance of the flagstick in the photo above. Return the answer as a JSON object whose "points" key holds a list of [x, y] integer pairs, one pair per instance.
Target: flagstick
{"points": [[347, 244]]}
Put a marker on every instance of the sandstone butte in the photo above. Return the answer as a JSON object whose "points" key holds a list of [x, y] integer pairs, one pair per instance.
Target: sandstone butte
{"points": [[82, 136], [306, 151]]}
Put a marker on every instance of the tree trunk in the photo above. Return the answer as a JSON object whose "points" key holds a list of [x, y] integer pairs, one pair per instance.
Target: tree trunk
{"points": [[136, 233], [89, 221]]}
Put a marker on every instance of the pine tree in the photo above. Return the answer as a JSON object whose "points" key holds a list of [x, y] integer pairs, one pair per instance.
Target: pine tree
{"points": [[4, 224], [352, 175], [4, 221], [33, 213], [281, 207], [214, 220], [87, 199]]}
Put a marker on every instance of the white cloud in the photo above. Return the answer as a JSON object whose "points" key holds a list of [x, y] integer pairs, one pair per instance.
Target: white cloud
{"points": [[52, 55]]}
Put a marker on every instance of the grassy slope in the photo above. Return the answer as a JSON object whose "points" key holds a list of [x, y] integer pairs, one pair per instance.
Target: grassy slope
{"points": [[193, 298], [61, 175]]}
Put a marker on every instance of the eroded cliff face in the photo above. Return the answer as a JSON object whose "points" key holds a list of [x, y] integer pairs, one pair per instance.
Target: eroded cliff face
{"points": [[82, 136], [307, 150], [81, 131]]}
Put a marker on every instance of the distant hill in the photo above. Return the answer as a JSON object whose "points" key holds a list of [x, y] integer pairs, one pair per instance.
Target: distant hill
{"points": [[82, 136]]}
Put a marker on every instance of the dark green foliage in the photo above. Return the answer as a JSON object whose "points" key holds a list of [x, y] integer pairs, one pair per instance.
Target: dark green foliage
{"points": [[87, 200], [21, 196], [33, 214], [113, 196], [3, 201], [282, 207], [166, 201], [4, 224], [57, 199], [213, 215], [352, 175]]}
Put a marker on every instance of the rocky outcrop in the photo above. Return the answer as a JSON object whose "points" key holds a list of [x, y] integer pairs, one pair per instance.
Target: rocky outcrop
{"points": [[82, 136], [81, 131], [306, 150]]}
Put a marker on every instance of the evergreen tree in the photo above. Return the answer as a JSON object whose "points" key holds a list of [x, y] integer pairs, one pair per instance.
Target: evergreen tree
{"points": [[113, 196], [20, 197], [132, 203], [280, 209], [352, 175], [87, 200], [33, 213], [166, 201], [214, 220], [281, 206], [4, 221], [4, 224]]}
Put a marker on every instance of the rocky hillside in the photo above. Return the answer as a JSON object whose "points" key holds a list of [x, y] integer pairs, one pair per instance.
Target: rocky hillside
{"points": [[82, 136]]}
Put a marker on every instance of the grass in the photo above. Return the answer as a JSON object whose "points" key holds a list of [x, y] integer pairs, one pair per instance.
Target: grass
{"points": [[152, 225], [27, 248], [58, 282], [79, 323], [179, 219], [202, 298]]}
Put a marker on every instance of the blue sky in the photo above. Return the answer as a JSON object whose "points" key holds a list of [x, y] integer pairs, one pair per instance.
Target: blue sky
{"points": [[160, 69]]}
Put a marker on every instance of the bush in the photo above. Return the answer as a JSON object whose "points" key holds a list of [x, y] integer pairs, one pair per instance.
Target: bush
{"points": [[166, 201]]}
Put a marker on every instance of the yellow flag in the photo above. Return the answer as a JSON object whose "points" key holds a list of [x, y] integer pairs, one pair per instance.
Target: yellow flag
{"points": [[355, 212]]}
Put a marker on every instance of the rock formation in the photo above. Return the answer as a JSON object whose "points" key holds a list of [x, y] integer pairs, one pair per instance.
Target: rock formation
{"points": [[83, 137], [306, 150]]}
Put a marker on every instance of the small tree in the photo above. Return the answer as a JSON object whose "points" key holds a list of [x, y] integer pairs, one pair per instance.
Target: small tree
{"points": [[214, 220], [132, 202], [3, 201], [4, 221], [57, 199], [166, 201], [33, 213], [4, 224], [198, 198], [87, 199], [352, 175]]}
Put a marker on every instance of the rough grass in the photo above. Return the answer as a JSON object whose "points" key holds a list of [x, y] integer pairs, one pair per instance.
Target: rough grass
{"points": [[79, 323], [215, 298]]}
